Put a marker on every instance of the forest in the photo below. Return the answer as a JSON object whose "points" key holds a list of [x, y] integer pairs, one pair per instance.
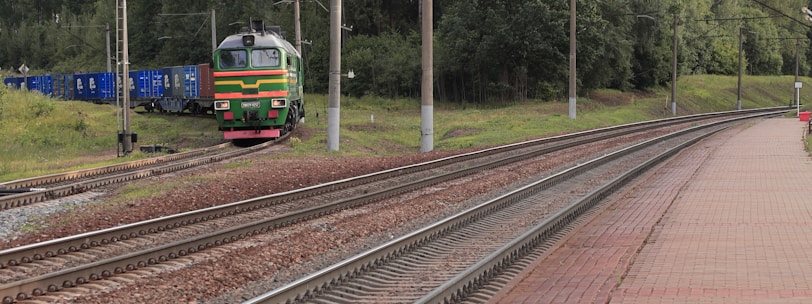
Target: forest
{"points": [[484, 51]]}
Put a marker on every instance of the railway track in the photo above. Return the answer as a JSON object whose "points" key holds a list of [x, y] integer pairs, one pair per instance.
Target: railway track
{"points": [[469, 256], [28, 191], [113, 251]]}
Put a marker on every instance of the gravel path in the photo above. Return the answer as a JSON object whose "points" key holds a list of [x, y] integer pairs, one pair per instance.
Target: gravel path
{"points": [[17, 221]]}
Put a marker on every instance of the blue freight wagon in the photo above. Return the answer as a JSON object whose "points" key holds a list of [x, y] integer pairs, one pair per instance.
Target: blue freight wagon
{"points": [[142, 85], [40, 83], [157, 88], [63, 86], [13, 82], [80, 86], [139, 82], [95, 87], [146, 89], [177, 88], [174, 89], [107, 86], [191, 87]]}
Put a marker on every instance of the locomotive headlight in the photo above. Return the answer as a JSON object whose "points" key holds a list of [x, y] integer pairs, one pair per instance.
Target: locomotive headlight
{"points": [[222, 105], [279, 103], [248, 40]]}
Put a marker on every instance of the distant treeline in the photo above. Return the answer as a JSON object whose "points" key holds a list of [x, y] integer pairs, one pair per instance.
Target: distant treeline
{"points": [[484, 50]]}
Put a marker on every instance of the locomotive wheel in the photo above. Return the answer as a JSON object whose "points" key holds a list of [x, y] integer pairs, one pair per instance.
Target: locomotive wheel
{"points": [[290, 121], [288, 127]]}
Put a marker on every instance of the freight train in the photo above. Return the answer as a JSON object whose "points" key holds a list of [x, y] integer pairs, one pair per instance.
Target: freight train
{"points": [[177, 88], [253, 86], [258, 82]]}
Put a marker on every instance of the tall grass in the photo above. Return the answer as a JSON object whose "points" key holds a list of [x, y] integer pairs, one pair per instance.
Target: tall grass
{"points": [[377, 126], [39, 135]]}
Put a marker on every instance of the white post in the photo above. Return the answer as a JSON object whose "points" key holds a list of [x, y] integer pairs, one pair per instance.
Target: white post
{"points": [[334, 98], [427, 81]]}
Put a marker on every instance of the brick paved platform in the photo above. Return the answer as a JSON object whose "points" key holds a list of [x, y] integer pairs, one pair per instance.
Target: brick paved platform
{"points": [[726, 221]]}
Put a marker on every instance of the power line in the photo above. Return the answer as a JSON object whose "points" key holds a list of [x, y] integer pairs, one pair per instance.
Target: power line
{"points": [[738, 18], [782, 13]]}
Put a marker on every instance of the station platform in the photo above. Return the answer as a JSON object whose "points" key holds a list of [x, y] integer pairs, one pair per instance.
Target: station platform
{"points": [[728, 220]]}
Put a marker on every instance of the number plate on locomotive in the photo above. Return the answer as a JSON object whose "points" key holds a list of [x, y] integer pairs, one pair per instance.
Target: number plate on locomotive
{"points": [[250, 104]]}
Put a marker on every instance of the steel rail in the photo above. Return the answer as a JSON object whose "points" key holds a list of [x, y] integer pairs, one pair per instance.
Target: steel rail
{"points": [[100, 270], [38, 251], [318, 282], [34, 182], [172, 162], [12, 200], [480, 273]]}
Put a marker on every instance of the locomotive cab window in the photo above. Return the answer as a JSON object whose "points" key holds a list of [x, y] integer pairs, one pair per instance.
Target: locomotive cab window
{"points": [[265, 58], [232, 59]]}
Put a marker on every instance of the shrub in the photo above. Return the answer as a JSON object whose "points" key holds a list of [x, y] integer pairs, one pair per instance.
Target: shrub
{"points": [[295, 141], [42, 107], [80, 125]]}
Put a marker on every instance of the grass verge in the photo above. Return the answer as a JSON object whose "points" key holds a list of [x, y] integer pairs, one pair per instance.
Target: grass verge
{"points": [[39, 135]]}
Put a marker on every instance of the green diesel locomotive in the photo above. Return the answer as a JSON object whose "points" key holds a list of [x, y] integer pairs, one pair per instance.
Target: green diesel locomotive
{"points": [[258, 81]]}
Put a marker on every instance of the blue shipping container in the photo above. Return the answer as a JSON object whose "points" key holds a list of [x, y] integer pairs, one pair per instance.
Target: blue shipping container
{"points": [[146, 84], [80, 86], [157, 87], [140, 84], [168, 82], [40, 83], [177, 76], [13, 82], [92, 84], [32, 82], [93, 89], [47, 85], [173, 94], [107, 85], [191, 86], [95, 86]]}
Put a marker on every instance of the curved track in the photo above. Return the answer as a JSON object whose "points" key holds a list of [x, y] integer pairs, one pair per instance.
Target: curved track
{"points": [[450, 260], [42, 188], [187, 233]]}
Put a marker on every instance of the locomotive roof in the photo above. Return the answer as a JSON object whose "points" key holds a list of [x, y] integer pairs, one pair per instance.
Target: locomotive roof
{"points": [[262, 39]]}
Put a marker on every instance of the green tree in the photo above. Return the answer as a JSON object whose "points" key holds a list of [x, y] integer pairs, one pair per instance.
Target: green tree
{"points": [[605, 52], [498, 50], [387, 65], [485, 51]]}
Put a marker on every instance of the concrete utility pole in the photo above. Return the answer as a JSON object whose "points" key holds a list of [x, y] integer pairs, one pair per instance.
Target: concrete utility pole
{"points": [[797, 83], [297, 27], [674, 69], [427, 83], [573, 81], [128, 142], [213, 33], [739, 86], [334, 98], [107, 31]]}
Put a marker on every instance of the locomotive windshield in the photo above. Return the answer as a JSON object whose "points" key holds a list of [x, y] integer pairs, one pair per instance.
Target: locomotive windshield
{"points": [[265, 58], [230, 59]]}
